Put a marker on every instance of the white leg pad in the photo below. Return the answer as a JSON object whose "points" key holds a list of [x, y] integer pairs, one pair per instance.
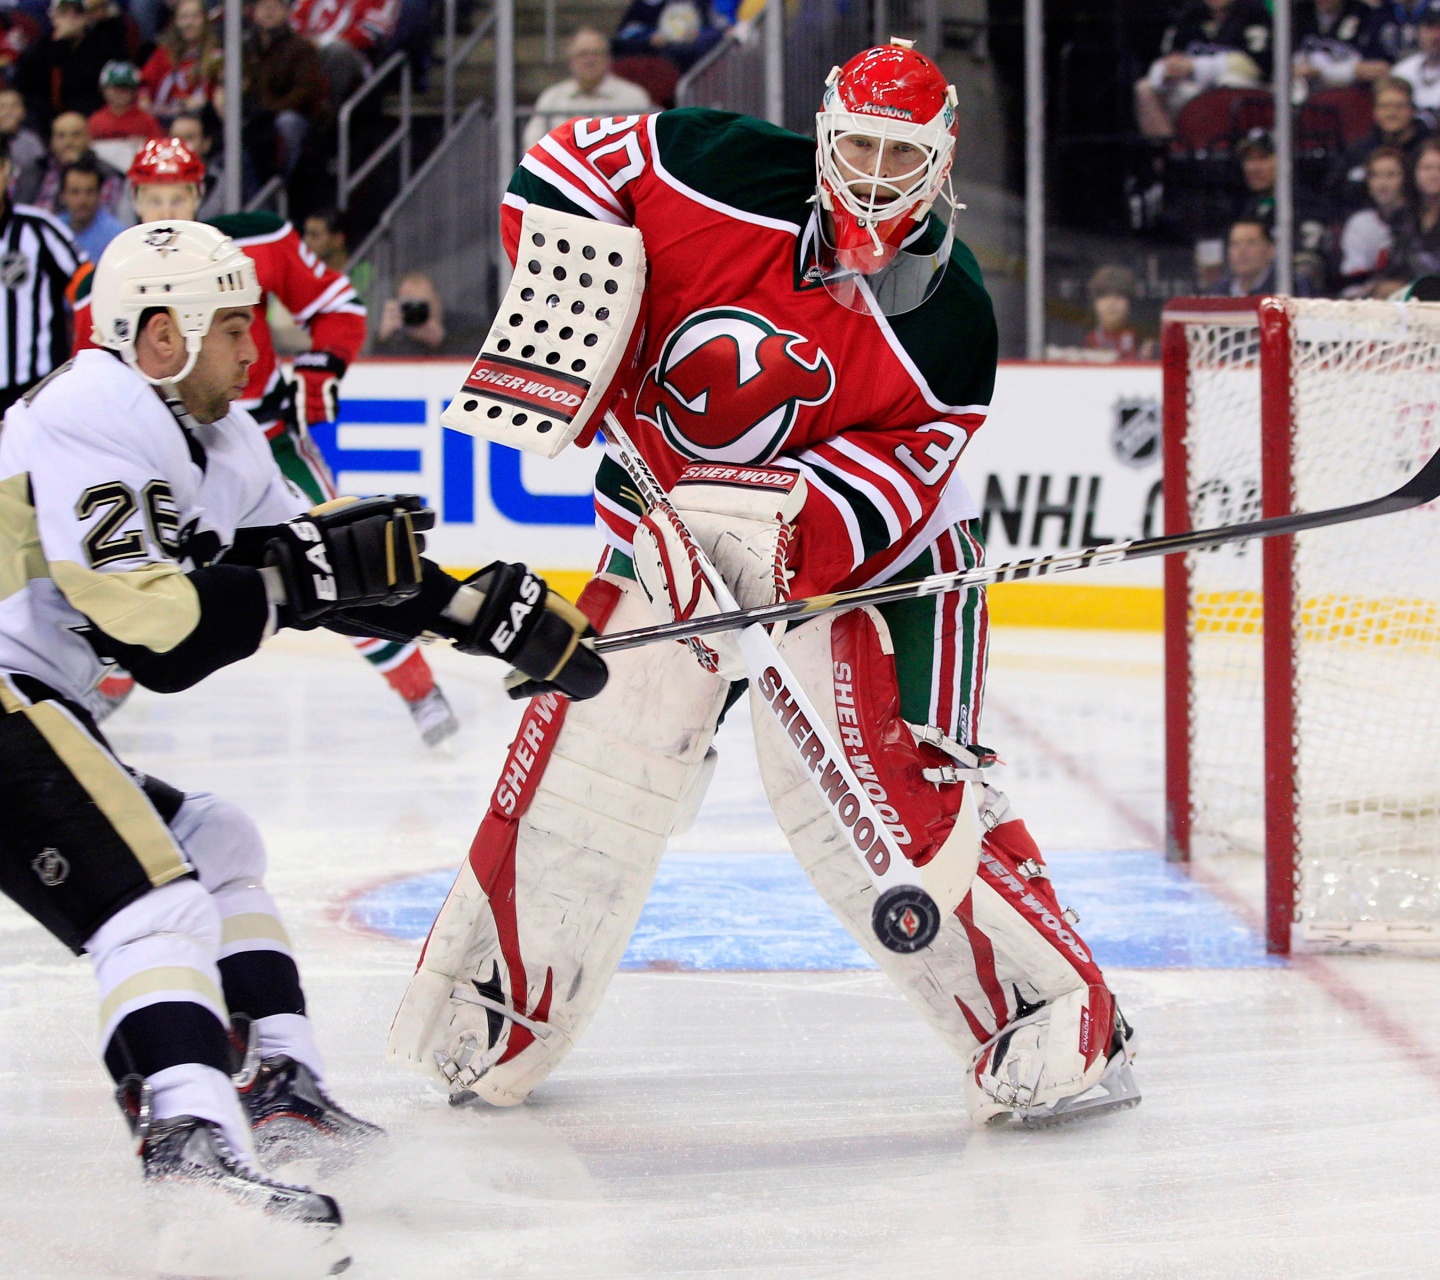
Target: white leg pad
{"points": [[846, 665], [540, 914]]}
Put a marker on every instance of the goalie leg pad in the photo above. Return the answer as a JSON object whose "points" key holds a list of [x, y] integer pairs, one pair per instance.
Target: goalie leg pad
{"points": [[539, 916], [1009, 948], [846, 665]]}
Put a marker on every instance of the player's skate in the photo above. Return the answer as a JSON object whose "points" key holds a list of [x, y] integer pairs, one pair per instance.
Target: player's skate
{"points": [[217, 1212], [1048, 1066], [433, 716], [293, 1118]]}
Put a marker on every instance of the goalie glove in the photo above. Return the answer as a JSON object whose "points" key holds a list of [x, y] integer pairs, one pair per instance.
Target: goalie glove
{"points": [[741, 518], [505, 611], [348, 553], [317, 391]]}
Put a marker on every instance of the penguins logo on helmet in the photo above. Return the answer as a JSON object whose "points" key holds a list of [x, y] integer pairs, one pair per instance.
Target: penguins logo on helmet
{"points": [[162, 239]]}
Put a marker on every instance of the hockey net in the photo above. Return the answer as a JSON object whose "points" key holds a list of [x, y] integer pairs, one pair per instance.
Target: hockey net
{"points": [[1303, 674]]}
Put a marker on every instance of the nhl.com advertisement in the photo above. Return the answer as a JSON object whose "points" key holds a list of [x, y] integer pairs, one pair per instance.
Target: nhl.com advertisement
{"points": [[1068, 458]]}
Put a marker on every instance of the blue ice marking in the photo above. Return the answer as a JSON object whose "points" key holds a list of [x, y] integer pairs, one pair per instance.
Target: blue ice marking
{"points": [[757, 911]]}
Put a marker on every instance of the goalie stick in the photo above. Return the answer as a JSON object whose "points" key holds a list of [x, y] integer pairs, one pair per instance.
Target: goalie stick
{"points": [[1422, 487], [906, 916]]}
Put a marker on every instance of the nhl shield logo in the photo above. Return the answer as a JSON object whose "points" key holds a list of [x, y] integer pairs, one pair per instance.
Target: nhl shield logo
{"points": [[51, 867], [14, 269], [729, 386], [1135, 437]]}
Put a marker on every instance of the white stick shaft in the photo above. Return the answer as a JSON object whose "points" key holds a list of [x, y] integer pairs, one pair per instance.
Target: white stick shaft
{"points": [[785, 699]]}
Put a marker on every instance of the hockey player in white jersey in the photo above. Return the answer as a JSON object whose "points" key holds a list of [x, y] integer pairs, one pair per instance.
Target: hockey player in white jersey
{"points": [[144, 521]]}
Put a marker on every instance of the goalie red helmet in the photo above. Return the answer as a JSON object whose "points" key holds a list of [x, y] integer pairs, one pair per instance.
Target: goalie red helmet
{"points": [[165, 160], [886, 133]]}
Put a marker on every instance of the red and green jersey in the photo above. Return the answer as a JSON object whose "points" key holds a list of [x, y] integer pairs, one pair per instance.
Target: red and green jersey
{"points": [[745, 356], [320, 299]]}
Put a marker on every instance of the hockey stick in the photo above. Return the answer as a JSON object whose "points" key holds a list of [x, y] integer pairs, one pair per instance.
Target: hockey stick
{"points": [[906, 916], [1421, 488]]}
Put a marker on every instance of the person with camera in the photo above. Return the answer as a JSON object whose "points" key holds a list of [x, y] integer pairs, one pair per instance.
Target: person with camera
{"points": [[412, 323]]}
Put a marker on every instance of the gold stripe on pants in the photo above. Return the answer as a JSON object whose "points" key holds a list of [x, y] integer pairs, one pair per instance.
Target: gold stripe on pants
{"points": [[115, 793]]}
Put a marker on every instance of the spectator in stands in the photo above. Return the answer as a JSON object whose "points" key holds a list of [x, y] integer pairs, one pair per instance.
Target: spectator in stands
{"points": [[1249, 261], [1369, 233], [86, 35], [1213, 44], [91, 226], [590, 90], [24, 143], [1421, 70], [1395, 126], [350, 35], [1337, 43], [1112, 290], [197, 130], [39, 184], [1258, 168], [284, 80], [681, 30], [412, 323], [187, 64], [122, 116], [1417, 235], [1399, 26], [327, 236]]}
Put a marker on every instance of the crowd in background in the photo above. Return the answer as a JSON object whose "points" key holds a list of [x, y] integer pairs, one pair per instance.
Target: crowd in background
{"points": [[84, 83], [1366, 107]]}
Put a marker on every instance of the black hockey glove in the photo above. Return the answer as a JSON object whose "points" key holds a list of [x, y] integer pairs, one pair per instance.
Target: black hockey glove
{"points": [[348, 553], [522, 622]]}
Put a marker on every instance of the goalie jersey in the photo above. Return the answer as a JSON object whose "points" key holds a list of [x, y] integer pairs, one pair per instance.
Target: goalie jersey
{"points": [[746, 359], [109, 499]]}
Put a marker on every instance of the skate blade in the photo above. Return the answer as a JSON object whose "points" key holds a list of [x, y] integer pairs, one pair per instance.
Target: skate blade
{"points": [[203, 1236], [1116, 1090]]}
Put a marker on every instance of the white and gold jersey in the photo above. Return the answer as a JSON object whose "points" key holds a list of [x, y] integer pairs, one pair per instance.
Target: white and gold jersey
{"points": [[108, 496]]}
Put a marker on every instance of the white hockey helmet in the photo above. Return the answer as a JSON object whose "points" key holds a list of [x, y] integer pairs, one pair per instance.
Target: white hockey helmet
{"points": [[189, 268]]}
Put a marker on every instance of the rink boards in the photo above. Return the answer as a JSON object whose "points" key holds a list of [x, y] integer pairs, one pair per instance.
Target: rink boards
{"points": [[1070, 457]]}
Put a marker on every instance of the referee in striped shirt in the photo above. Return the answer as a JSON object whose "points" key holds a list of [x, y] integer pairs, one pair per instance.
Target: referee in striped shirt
{"points": [[37, 259]]}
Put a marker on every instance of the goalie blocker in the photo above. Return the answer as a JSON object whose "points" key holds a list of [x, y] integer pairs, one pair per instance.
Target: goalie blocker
{"points": [[567, 324]]}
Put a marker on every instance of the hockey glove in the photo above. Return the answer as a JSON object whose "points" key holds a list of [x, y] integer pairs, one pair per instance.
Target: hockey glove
{"points": [[348, 553], [317, 397], [519, 620], [742, 519]]}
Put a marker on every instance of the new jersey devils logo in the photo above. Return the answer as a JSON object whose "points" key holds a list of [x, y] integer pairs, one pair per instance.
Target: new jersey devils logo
{"points": [[728, 386]]}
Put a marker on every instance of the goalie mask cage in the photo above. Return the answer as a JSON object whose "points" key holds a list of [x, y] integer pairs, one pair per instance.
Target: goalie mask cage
{"points": [[1302, 673]]}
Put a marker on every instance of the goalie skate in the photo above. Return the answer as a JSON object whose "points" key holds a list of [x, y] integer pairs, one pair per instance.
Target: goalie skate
{"points": [[1036, 1071]]}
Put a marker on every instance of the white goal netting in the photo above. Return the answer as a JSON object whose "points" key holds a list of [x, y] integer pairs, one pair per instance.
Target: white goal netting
{"points": [[1364, 393]]}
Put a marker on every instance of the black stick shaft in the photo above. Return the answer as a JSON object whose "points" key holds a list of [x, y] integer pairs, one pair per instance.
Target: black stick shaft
{"points": [[1421, 488]]}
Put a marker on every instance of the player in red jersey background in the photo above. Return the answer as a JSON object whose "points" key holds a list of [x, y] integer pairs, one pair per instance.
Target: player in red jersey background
{"points": [[817, 350], [166, 178]]}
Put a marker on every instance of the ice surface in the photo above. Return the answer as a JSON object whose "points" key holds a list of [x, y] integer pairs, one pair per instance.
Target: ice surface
{"points": [[759, 1119]]}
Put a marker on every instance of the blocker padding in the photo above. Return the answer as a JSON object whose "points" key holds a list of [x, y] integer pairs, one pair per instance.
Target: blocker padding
{"points": [[562, 332]]}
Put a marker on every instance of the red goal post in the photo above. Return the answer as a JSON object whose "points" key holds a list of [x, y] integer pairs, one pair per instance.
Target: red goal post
{"points": [[1316, 742]]}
